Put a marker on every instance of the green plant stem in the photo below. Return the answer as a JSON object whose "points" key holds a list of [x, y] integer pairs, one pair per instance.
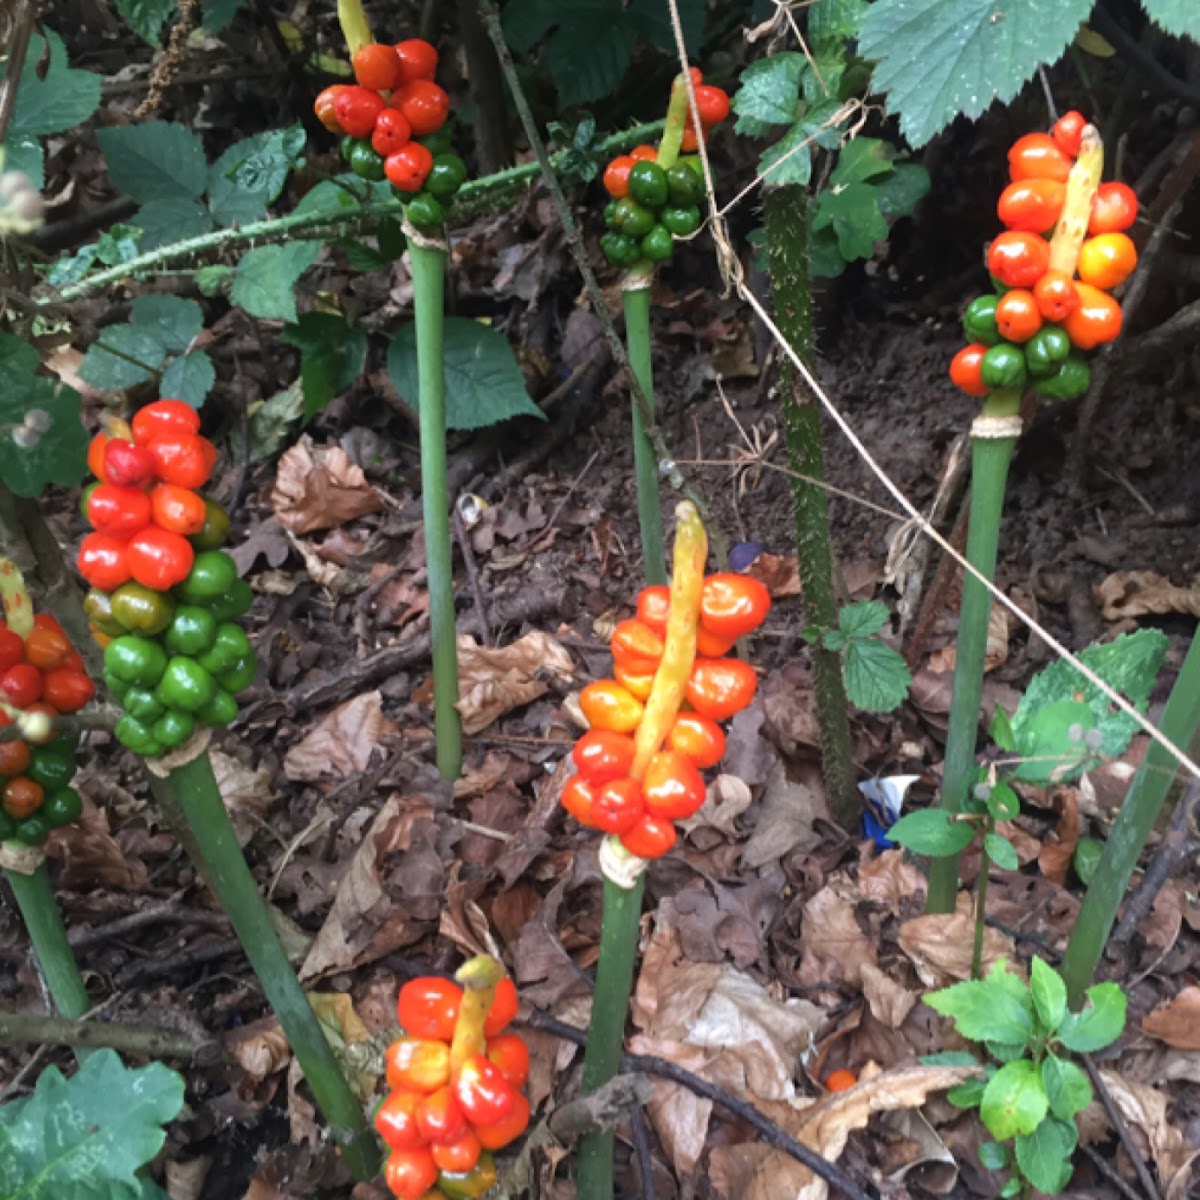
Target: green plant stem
{"points": [[191, 802], [990, 458], [786, 211], [981, 891], [428, 275], [606, 1030], [478, 195], [39, 911], [637, 338], [1180, 722]]}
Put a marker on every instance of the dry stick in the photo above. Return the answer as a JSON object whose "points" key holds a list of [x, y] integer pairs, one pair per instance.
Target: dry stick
{"points": [[149, 1041], [641, 1147], [1103, 1167], [1176, 843], [772, 1134], [464, 545], [18, 47], [575, 244], [1118, 1123]]}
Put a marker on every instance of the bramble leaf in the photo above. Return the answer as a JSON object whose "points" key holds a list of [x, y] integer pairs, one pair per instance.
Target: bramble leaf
{"points": [[1180, 17], [768, 93], [332, 353], [939, 58], [877, 677], [189, 378], [158, 160], [264, 283], [146, 17]]}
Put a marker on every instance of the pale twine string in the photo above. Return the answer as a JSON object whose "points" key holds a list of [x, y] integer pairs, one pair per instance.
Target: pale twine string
{"points": [[988, 429], [619, 866], [731, 271]]}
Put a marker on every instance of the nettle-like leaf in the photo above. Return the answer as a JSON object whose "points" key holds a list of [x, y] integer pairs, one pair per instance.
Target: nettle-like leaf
{"points": [[768, 93], [60, 453], [930, 831], [997, 1008], [87, 1137], [1099, 1024], [939, 58], [264, 283], [251, 174], [52, 97], [877, 678], [591, 42], [1014, 1101], [1180, 17], [484, 385], [1044, 1155], [332, 354], [158, 160], [1059, 697]]}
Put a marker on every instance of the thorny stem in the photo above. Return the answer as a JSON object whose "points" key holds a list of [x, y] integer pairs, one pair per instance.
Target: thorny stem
{"points": [[476, 195], [636, 301], [1139, 811], [428, 274], [787, 250], [192, 804], [990, 458]]}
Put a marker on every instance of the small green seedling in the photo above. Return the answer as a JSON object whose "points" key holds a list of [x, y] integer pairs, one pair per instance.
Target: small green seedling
{"points": [[1029, 1101]]}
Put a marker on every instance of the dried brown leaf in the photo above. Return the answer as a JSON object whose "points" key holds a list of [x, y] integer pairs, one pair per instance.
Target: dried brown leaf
{"points": [[184, 1177], [350, 1039], [997, 645], [1054, 857], [495, 680], [779, 573], [890, 1002], [835, 946], [1135, 593], [940, 945], [1177, 1021], [260, 1048], [342, 742], [91, 858], [247, 793], [318, 487], [890, 878], [786, 816]]}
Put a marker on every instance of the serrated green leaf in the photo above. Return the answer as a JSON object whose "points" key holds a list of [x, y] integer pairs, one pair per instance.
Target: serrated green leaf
{"points": [[1004, 1052], [864, 619], [189, 378], [835, 640], [583, 75], [172, 320], [86, 1137], [155, 161], [484, 385], [1051, 742], [361, 256], [526, 22], [993, 1156], [950, 1058], [146, 17], [59, 455], [1099, 1024], [861, 160], [930, 831], [52, 97], [122, 357], [264, 283], [984, 1009], [219, 13], [1014, 1100], [212, 280], [170, 220], [831, 21], [1001, 851], [768, 93], [939, 58], [1049, 993], [251, 174], [825, 260], [877, 677], [1086, 859], [902, 190], [23, 152], [853, 213], [1044, 1154], [331, 197], [331, 357], [967, 1095], [1129, 663], [1067, 1085], [1180, 17], [1000, 730]]}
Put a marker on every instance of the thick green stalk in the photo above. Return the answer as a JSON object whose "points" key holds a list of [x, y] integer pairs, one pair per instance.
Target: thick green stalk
{"points": [[39, 910], [192, 804], [1180, 722], [606, 1030], [787, 251], [428, 274], [990, 457], [981, 891], [637, 339]]}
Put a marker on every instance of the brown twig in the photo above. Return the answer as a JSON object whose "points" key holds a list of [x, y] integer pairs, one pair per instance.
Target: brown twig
{"points": [[1122, 1129], [149, 1041], [772, 1134], [1175, 845], [154, 914], [472, 567], [1112, 1176], [641, 1148], [21, 28]]}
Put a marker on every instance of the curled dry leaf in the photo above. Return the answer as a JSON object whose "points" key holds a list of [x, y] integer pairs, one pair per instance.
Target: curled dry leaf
{"points": [[779, 573], [91, 857], [260, 1048], [184, 1177], [1136, 593], [835, 946], [997, 645], [351, 1041], [495, 680], [727, 798], [940, 944], [1054, 857], [890, 1001], [318, 487], [1177, 1021], [753, 1171], [786, 816], [247, 793], [890, 878], [342, 742]]}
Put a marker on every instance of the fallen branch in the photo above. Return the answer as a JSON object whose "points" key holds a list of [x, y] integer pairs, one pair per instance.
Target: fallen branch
{"points": [[148, 1041]]}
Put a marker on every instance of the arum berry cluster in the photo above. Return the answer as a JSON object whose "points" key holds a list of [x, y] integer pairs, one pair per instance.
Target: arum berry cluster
{"points": [[455, 1080], [164, 598], [1063, 251], [392, 120], [636, 773], [655, 194], [41, 676]]}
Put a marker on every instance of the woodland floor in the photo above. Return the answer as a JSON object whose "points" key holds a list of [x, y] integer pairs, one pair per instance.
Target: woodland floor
{"points": [[380, 872]]}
